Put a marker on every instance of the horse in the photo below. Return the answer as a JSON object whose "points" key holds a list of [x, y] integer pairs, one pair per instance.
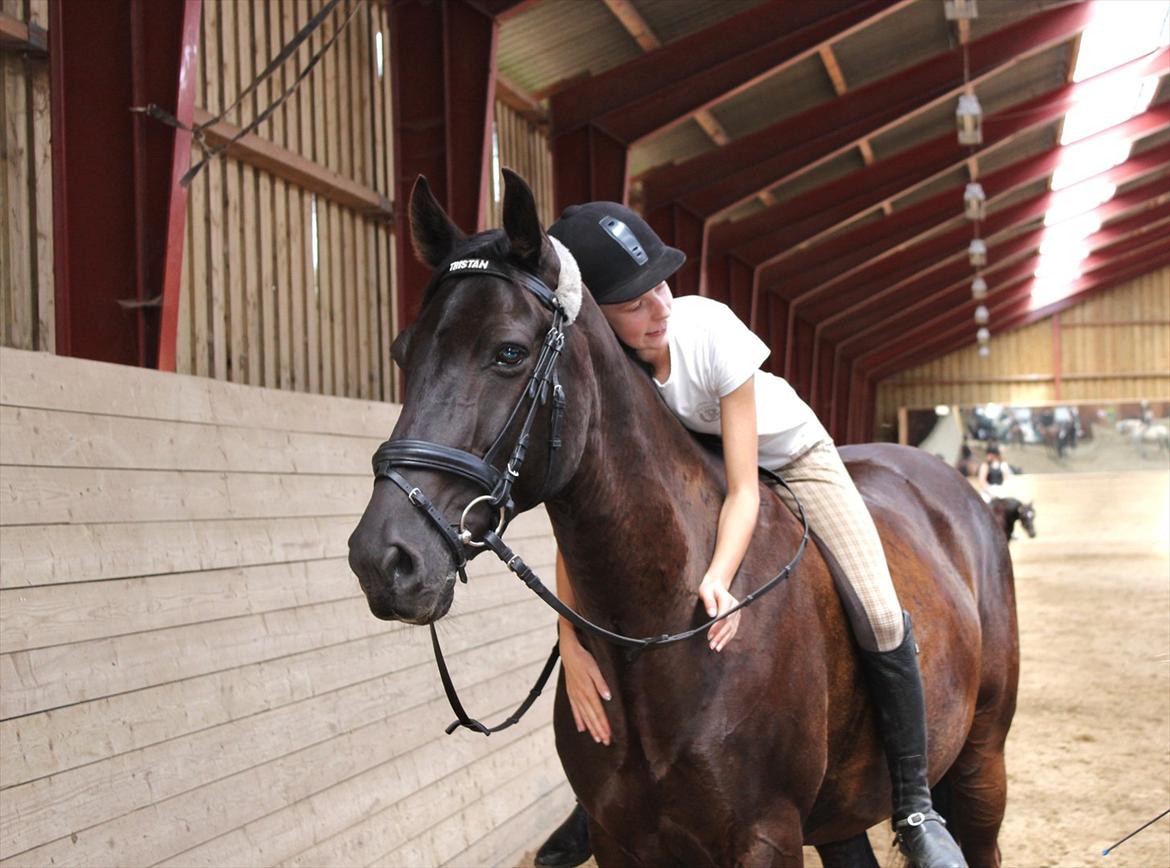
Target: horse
{"points": [[1008, 511], [1157, 436], [736, 758]]}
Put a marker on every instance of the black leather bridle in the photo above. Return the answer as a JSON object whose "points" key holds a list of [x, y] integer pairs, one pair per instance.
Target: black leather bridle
{"points": [[542, 385]]}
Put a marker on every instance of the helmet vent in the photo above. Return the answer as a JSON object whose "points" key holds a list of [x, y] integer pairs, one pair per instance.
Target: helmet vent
{"points": [[621, 233]]}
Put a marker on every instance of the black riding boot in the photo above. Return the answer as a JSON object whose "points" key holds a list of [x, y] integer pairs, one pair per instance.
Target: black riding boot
{"points": [[895, 685], [569, 844]]}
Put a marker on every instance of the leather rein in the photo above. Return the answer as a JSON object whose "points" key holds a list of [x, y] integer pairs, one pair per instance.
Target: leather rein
{"points": [[542, 387]]}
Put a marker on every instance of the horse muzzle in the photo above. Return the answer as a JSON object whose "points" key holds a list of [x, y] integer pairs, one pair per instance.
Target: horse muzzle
{"points": [[394, 587]]}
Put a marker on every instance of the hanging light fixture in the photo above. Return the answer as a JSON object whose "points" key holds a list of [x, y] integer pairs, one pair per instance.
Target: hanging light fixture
{"points": [[960, 9], [984, 351], [982, 314], [969, 118], [978, 288], [977, 252], [983, 335], [974, 202]]}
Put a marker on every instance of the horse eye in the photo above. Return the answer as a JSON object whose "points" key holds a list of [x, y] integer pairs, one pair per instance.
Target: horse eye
{"points": [[511, 355]]}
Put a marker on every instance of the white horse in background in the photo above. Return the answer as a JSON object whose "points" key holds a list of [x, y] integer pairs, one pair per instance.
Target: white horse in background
{"points": [[1145, 436]]}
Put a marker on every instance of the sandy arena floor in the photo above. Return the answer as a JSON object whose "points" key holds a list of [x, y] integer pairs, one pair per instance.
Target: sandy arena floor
{"points": [[1089, 752]]}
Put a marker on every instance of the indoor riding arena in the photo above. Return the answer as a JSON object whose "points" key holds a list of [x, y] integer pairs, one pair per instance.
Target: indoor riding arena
{"points": [[223, 286]]}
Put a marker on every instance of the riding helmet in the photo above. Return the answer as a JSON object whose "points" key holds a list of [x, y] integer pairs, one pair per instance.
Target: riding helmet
{"points": [[620, 256]]}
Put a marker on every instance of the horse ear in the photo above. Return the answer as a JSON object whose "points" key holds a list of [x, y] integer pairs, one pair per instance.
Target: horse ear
{"points": [[521, 222], [431, 230]]}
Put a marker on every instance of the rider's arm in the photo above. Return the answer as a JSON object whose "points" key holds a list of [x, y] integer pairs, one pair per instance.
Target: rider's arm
{"points": [[983, 475], [741, 506], [584, 683]]}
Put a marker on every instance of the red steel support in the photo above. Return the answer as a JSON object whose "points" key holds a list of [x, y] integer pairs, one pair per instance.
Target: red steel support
{"points": [[180, 163], [443, 57], [117, 220]]}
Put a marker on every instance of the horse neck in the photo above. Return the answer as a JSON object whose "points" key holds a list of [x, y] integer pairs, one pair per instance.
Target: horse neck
{"points": [[636, 523]]}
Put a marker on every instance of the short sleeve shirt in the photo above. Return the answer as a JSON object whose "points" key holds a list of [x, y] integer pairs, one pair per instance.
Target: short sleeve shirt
{"points": [[712, 353]]}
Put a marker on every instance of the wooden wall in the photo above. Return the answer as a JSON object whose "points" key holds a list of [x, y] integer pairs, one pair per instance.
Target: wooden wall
{"points": [[26, 194], [1115, 345], [189, 674], [522, 147], [288, 283]]}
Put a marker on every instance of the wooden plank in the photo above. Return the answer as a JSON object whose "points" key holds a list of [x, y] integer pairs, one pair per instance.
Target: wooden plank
{"points": [[300, 140], [343, 51], [216, 207], [36, 746], [282, 196], [548, 799], [41, 164], [184, 363], [253, 347], [338, 293], [161, 829], [21, 314], [49, 495], [200, 290], [54, 554], [234, 240], [455, 839], [354, 297], [441, 784], [51, 615], [83, 386]]}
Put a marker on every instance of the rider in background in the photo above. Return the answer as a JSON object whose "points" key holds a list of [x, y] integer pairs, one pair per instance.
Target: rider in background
{"points": [[705, 363], [993, 473]]}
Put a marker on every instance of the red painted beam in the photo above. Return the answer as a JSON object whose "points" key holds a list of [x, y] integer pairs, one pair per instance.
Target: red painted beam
{"points": [[853, 321], [664, 87], [114, 172], [908, 328], [1152, 259], [443, 57], [885, 244], [720, 179], [176, 225], [946, 334], [782, 230], [957, 307]]}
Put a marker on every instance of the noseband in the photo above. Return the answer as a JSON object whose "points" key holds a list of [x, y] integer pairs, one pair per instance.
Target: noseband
{"points": [[497, 486]]}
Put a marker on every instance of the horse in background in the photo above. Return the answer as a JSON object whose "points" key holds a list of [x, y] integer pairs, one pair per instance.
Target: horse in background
{"points": [[1008, 511]]}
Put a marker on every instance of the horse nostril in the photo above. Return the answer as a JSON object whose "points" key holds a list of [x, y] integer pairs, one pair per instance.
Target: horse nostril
{"points": [[399, 563]]}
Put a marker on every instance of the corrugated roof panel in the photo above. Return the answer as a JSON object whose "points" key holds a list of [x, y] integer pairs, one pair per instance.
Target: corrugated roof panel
{"points": [[680, 142], [935, 121], [1028, 145], [945, 181], [997, 14], [559, 39], [831, 170], [901, 40], [672, 19], [779, 96]]}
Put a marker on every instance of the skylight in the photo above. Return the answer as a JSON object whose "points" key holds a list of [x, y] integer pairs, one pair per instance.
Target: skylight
{"points": [[1119, 31]]}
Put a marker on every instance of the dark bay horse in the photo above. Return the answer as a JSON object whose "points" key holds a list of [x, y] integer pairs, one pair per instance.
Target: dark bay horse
{"points": [[1009, 510], [737, 758]]}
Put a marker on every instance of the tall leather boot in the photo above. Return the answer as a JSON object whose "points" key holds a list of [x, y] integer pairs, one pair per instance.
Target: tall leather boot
{"points": [[895, 685], [568, 846]]}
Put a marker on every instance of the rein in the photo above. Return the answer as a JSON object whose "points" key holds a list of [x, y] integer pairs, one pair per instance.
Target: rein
{"points": [[542, 385]]}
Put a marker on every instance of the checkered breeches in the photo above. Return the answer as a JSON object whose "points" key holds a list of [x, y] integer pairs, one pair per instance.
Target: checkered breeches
{"points": [[838, 516]]}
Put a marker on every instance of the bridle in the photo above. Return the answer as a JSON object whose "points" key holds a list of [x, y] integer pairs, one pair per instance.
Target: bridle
{"points": [[543, 383]]}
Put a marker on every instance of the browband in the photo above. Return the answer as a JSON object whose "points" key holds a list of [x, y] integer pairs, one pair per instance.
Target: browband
{"points": [[532, 283]]}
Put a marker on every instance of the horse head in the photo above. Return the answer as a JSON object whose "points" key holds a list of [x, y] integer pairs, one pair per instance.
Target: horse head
{"points": [[478, 381], [1027, 514]]}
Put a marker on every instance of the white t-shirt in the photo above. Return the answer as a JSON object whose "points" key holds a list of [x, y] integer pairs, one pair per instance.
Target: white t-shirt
{"points": [[712, 354]]}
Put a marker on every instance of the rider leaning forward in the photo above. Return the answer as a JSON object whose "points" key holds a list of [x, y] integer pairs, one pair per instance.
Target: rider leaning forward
{"points": [[705, 364]]}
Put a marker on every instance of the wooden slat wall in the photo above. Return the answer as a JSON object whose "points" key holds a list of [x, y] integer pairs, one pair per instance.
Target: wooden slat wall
{"points": [[283, 287], [26, 195], [189, 674], [524, 149], [1122, 337]]}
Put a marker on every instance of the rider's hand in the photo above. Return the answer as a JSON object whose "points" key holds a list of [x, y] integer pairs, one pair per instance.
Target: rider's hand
{"points": [[585, 687], [716, 600]]}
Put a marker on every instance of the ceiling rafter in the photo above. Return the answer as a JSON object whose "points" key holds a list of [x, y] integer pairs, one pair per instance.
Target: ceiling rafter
{"points": [[716, 181]]}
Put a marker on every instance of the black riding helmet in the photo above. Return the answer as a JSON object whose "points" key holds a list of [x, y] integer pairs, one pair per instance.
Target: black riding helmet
{"points": [[620, 256]]}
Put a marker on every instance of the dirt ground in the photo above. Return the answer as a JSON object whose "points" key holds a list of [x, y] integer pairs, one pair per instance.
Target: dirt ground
{"points": [[1089, 752]]}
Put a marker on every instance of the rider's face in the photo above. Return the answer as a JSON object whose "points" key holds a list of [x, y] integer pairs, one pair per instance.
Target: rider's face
{"points": [[641, 323]]}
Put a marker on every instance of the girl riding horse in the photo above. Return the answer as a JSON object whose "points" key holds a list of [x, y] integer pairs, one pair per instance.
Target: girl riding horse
{"points": [[705, 363]]}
